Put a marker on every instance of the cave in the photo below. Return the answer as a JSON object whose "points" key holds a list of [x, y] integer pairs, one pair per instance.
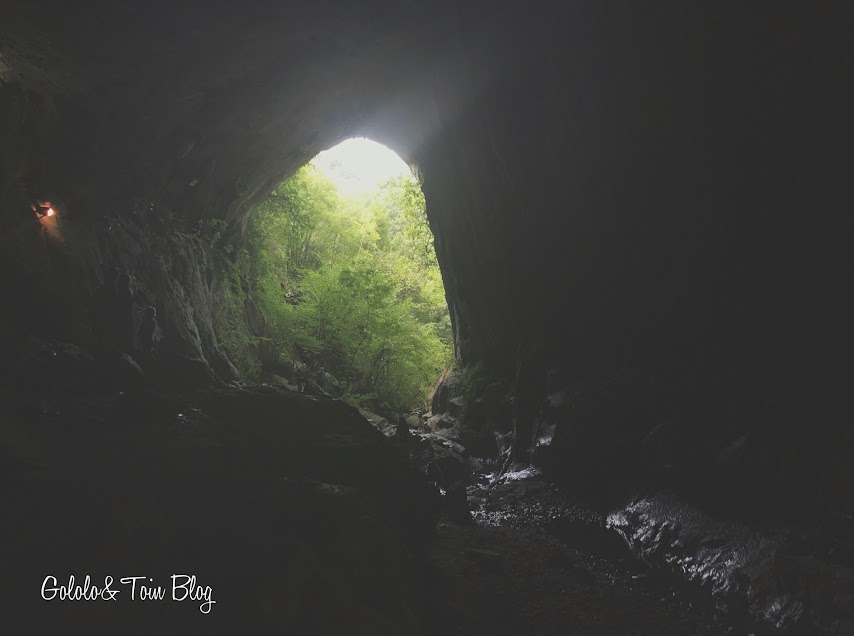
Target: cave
{"points": [[642, 215]]}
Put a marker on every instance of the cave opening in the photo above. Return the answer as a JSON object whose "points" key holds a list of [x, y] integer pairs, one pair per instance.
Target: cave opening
{"points": [[641, 212], [340, 262]]}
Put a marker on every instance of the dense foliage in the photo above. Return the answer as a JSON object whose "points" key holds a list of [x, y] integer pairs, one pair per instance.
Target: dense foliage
{"points": [[351, 284]]}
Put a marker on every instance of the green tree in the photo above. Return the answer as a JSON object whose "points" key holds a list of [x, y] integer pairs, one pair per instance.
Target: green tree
{"points": [[352, 284]]}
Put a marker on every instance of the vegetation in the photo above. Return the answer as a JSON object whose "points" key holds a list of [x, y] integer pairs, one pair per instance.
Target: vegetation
{"points": [[350, 284]]}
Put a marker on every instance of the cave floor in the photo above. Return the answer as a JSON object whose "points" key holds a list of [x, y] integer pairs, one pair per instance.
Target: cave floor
{"points": [[507, 581], [536, 561], [140, 483]]}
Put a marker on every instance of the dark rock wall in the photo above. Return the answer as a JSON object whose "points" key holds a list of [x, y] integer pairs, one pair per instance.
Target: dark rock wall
{"points": [[666, 237], [650, 204]]}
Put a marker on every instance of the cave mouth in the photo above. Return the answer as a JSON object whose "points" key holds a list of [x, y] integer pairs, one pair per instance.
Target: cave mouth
{"points": [[360, 165], [342, 266]]}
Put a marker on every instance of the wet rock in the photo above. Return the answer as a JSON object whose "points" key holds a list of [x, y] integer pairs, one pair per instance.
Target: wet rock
{"points": [[745, 570], [480, 466]]}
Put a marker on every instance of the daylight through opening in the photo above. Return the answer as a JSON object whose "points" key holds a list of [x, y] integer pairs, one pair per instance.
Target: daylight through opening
{"points": [[344, 272]]}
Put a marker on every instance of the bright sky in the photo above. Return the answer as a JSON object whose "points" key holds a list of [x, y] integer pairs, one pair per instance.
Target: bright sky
{"points": [[359, 165]]}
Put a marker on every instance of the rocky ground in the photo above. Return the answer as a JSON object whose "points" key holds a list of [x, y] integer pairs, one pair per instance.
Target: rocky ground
{"points": [[304, 518], [508, 581], [300, 516], [537, 561], [652, 564]]}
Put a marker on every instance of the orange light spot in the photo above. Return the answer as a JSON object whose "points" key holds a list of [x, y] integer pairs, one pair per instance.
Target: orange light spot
{"points": [[51, 212]]}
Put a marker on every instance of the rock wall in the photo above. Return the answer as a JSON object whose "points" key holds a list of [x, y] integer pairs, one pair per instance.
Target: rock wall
{"points": [[658, 198]]}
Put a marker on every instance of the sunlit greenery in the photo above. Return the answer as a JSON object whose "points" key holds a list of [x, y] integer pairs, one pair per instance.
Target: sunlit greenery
{"points": [[351, 284]]}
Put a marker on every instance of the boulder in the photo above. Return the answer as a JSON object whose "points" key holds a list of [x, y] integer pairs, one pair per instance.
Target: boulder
{"points": [[332, 386], [456, 406], [414, 421], [444, 460], [442, 422], [447, 422]]}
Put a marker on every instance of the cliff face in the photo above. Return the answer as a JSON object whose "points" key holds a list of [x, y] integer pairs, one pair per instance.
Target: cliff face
{"points": [[642, 213]]}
